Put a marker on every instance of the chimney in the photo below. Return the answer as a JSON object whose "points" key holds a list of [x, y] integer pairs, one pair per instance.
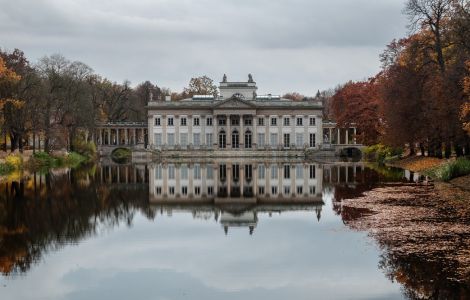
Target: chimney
{"points": [[167, 98]]}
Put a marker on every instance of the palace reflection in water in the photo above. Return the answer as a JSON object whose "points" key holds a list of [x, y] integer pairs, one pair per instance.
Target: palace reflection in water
{"points": [[43, 213]]}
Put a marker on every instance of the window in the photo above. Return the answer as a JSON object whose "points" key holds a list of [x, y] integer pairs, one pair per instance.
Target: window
{"points": [[273, 121], [273, 172], [261, 190], [312, 190], [274, 190], [170, 121], [286, 190], [209, 121], [261, 139], [286, 121], [222, 140], [312, 140], [299, 171], [209, 139], [235, 140], [158, 172], [196, 121], [197, 139], [312, 121], [158, 139], [235, 121], [171, 190], [184, 172], [248, 122], [210, 190], [197, 172], [312, 171], [261, 172], [171, 139], [299, 121], [299, 139], [248, 139], [210, 172], [299, 190], [286, 140], [222, 121], [261, 121], [171, 172], [197, 190], [158, 190], [157, 122], [274, 140], [184, 139], [286, 171], [183, 121], [184, 190]]}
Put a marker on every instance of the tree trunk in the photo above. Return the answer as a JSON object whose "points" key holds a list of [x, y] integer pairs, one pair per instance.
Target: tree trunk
{"points": [[20, 143], [412, 149], [439, 150], [458, 150], [448, 150], [34, 141], [421, 148], [13, 142]]}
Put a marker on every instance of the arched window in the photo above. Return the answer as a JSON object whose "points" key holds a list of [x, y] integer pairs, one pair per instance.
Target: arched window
{"points": [[222, 140], [235, 139], [248, 139]]}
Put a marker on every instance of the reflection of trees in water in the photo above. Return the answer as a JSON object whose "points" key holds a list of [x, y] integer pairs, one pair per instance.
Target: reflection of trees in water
{"points": [[424, 278], [46, 212]]}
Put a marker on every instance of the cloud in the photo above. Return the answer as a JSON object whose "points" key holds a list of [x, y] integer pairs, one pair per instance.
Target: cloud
{"points": [[298, 45]]}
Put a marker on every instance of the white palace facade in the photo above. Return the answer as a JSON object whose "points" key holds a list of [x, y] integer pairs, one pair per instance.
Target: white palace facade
{"points": [[236, 120]]}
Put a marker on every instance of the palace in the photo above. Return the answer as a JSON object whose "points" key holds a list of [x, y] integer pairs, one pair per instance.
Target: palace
{"points": [[236, 120]]}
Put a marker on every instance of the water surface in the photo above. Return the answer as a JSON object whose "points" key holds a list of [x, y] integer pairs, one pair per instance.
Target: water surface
{"points": [[190, 230]]}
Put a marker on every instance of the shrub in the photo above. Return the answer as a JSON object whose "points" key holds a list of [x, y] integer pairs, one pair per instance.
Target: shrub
{"points": [[14, 160], [121, 155], [6, 169], [381, 153], [86, 149]]}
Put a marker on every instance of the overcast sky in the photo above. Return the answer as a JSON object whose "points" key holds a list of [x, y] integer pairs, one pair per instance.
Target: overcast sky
{"points": [[288, 45]]}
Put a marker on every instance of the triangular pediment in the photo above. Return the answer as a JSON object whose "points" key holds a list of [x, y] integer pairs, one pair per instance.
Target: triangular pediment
{"points": [[234, 103]]}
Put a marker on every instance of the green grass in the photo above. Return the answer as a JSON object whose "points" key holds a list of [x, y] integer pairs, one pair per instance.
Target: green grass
{"points": [[453, 169], [43, 159]]}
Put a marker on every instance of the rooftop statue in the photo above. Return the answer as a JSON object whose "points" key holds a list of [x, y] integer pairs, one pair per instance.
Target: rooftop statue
{"points": [[250, 78], [224, 79]]}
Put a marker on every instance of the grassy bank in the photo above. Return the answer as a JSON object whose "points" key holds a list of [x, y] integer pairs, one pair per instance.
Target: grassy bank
{"points": [[381, 154], [438, 169]]}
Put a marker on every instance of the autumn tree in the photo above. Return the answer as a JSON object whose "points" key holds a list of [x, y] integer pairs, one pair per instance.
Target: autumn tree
{"points": [[356, 104], [202, 85], [294, 96]]}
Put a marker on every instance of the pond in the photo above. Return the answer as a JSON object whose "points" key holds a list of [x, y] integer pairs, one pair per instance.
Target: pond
{"points": [[209, 229]]}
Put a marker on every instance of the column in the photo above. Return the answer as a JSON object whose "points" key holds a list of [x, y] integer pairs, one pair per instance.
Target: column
{"points": [[177, 123], [110, 142], [203, 130], [305, 123], [151, 123], [164, 121], [190, 129], [266, 136], [126, 136], [215, 135], [254, 142], [330, 135], [293, 137], [347, 136], [354, 138], [118, 141], [339, 136], [229, 132], [242, 132], [280, 136]]}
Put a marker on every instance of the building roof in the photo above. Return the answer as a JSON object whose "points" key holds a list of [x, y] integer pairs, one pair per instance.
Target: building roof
{"points": [[207, 103]]}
